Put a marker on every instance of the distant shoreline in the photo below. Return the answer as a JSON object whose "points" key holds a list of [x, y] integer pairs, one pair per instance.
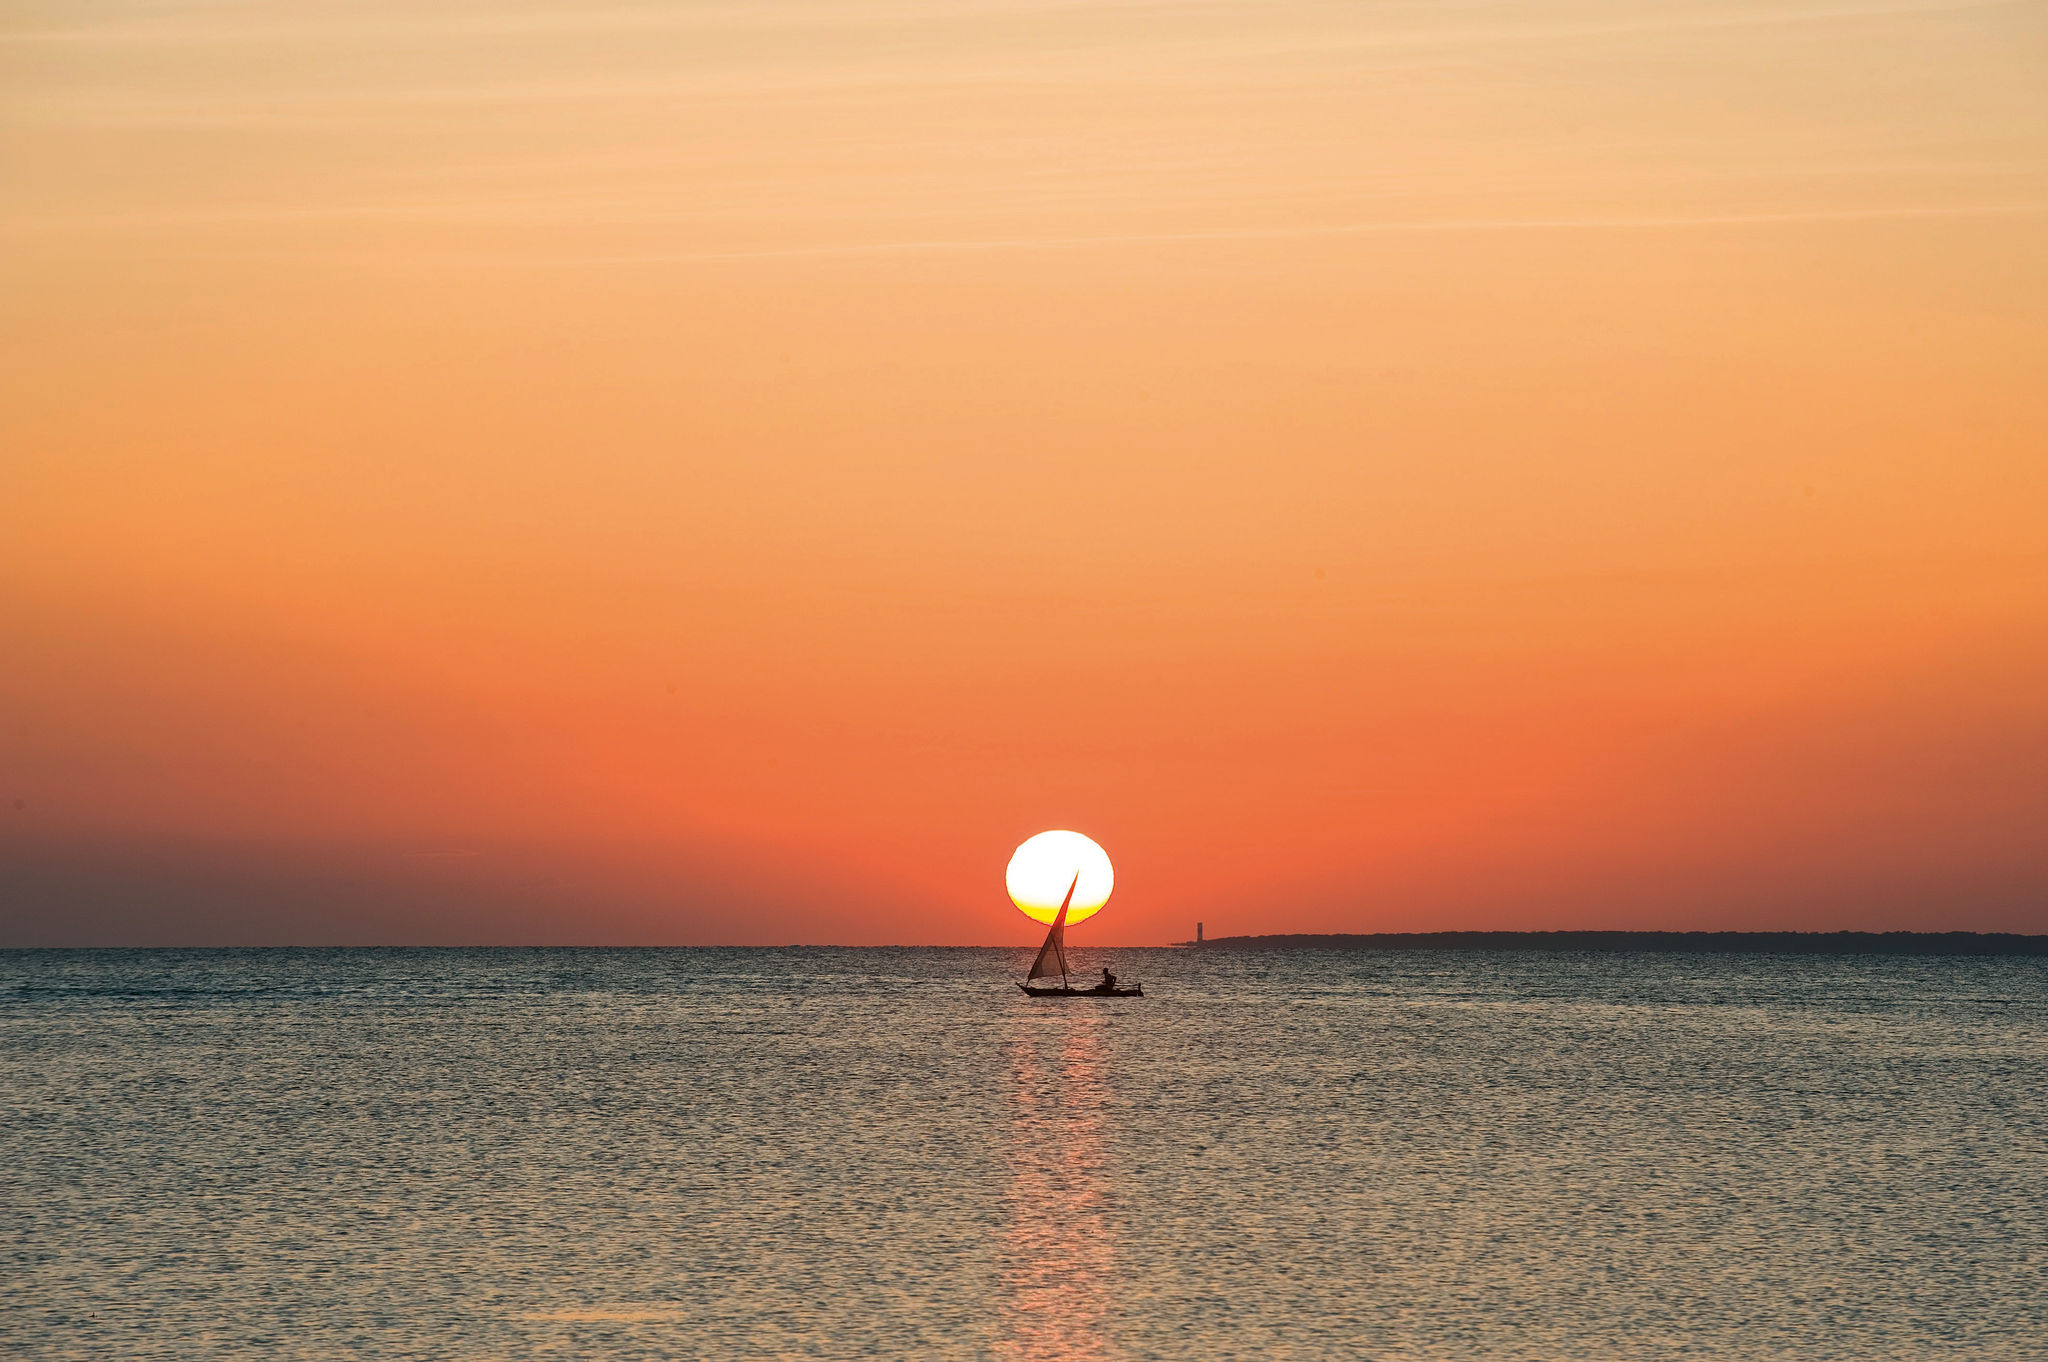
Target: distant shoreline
{"points": [[1733, 943]]}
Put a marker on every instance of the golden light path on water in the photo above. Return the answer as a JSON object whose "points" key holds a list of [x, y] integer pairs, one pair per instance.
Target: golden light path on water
{"points": [[1060, 1252], [1046, 866]]}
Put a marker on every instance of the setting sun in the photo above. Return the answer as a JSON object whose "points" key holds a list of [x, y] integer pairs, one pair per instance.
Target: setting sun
{"points": [[1045, 866]]}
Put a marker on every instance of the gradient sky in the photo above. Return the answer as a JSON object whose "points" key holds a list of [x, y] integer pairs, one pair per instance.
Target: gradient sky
{"points": [[475, 471]]}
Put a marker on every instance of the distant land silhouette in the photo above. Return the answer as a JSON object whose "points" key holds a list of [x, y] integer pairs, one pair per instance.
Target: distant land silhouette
{"points": [[1754, 943]]}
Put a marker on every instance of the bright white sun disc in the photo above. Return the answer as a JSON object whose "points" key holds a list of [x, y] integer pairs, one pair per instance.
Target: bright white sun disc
{"points": [[1045, 865]]}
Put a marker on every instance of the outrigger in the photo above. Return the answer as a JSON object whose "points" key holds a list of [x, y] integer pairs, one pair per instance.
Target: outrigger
{"points": [[1052, 959]]}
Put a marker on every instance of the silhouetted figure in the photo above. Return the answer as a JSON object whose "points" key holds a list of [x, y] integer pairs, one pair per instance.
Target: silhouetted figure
{"points": [[1108, 981]]}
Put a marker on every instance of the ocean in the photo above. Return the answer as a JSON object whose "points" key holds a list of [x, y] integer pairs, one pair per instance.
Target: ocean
{"points": [[892, 1153]]}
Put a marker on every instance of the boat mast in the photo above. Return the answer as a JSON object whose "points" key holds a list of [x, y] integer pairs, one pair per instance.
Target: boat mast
{"points": [[1063, 936]]}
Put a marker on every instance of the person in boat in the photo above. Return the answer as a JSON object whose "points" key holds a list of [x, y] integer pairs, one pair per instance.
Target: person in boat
{"points": [[1108, 982]]}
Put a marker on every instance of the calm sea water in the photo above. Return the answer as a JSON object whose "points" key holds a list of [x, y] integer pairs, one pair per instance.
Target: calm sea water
{"points": [[893, 1153]]}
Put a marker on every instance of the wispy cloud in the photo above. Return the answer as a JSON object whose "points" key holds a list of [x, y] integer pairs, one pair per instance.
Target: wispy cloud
{"points": [[1676, 222], [215, 26]]}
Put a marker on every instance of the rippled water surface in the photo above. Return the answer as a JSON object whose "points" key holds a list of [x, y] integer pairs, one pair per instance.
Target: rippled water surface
{"points": [[893, 1153]]}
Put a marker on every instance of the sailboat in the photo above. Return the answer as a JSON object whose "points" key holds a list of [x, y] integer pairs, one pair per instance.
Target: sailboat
{"points": [[1052, 959]]}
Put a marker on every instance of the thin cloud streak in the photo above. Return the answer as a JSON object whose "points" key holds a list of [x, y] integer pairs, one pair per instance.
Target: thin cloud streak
{"points": [[246, 31], [1704, 220], [1077, 241], [1308, 54]]}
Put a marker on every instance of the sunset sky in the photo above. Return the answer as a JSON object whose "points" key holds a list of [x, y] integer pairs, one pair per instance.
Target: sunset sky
{"points": [[476, 471]]}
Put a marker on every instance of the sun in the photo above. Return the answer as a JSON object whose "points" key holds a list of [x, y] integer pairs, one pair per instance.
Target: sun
{"points": [[1043, 868]]}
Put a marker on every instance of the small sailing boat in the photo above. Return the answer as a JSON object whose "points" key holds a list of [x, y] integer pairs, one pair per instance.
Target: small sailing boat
{"points": [[1052, 959]]}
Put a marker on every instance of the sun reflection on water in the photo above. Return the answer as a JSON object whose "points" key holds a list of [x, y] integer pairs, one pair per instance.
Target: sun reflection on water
{"points": [[1060, 1251]]}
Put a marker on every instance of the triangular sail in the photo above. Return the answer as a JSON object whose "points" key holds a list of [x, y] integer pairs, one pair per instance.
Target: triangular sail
{"points": [[1052, 956]]}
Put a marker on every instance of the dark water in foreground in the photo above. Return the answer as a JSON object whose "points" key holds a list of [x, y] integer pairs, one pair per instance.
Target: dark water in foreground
{"points": [[892, 1153]]}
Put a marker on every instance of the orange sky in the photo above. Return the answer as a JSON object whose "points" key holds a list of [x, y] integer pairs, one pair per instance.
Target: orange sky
{"points": [[477, 471]]}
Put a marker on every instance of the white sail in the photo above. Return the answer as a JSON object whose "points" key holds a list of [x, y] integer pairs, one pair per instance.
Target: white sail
{"points": [[1052, 956]]}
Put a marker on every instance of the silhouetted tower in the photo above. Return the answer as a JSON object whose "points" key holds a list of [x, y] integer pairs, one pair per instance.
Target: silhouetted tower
{"points": [[1198, 933]]}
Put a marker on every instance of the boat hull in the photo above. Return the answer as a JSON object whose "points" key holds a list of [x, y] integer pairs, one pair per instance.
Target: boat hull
{"points": [[1134, 991]]}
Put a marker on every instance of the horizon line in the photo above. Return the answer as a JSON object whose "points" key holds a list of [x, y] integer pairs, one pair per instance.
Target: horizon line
{"points": [[1304, 939]]}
